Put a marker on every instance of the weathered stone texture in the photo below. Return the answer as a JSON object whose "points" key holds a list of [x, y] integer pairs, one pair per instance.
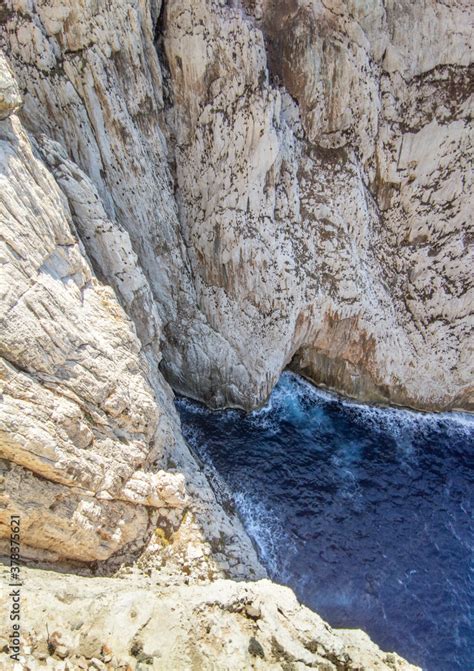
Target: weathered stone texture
{"points": [[328, 218], [100, 623], [87, 422], [213, 191], [279, 168]]}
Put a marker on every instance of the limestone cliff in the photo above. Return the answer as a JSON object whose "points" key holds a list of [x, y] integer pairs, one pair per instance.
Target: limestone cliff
{"points": [[95, 458], [322, 153], [199, 194], [293, 178]]}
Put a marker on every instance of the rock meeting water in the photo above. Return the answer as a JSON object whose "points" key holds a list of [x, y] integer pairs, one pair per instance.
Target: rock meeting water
{"points": [[366, 512]]}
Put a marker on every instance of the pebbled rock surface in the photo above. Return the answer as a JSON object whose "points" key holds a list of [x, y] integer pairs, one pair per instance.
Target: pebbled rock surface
{"points": [[104, 624]]}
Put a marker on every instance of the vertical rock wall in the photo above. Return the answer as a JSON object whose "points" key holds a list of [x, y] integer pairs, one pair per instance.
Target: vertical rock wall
{"points": [[93, 460], [215, 191], [293, 178], [322, 155]]}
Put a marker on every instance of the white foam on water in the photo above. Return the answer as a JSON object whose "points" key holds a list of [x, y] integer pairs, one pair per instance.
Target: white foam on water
{"points": [[396, 421], [195, 437], [295, 402], [267, 532], [198, 408], [191, 406]]}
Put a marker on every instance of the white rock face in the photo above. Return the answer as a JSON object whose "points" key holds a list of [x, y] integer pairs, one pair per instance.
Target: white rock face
{"points": [[294, 181], [10, 99], [92, 82], [100, 623], [214, 191], [327, 219], [86, 424]]}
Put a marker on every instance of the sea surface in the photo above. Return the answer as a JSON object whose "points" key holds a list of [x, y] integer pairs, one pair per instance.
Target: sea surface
{"points": [[366, 512]]}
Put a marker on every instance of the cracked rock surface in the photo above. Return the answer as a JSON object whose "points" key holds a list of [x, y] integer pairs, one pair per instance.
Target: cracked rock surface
{"points": [[93, 458], [103, 623], [322, 155], [196, 195], [293, 178]]}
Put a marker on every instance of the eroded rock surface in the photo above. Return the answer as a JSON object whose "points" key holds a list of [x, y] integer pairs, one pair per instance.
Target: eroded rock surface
{"points": [[293, 178], [322, 155], [94, 461], [100, 623], [208, 192]]}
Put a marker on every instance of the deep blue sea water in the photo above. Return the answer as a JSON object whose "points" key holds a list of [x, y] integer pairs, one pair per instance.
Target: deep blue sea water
{"points": [[366, 512]]}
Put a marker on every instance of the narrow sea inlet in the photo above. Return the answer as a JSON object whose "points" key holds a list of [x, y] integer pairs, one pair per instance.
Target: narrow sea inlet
{"points": [[366, 512]]}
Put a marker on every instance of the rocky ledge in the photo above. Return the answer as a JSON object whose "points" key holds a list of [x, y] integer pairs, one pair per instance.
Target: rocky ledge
{"points": [[97, 624]]}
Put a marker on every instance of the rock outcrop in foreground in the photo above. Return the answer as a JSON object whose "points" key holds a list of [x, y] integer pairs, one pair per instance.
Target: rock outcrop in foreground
{"points": [[199, 194], [103, 623]]}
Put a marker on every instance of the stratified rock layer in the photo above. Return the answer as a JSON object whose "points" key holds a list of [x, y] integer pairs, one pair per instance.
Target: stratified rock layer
{"points": [[94, 461]]}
